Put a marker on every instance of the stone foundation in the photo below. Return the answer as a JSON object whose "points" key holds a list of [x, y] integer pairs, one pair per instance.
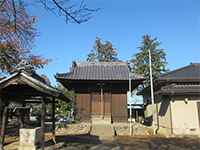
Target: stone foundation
{"points": [[123, 129]]}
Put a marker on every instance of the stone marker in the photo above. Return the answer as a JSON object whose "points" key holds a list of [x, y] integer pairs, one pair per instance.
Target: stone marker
{"points": [[29, 138]]}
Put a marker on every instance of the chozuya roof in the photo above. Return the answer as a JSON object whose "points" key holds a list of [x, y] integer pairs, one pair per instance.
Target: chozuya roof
{"points": [[1, 78], [99, 71], [32, 81], [189, 73]]}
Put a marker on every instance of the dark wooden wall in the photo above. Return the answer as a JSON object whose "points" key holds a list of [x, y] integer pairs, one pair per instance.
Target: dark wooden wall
{"points": [[115, 105], [82, 107], [119, 108], [96, 104], [107, 104]]}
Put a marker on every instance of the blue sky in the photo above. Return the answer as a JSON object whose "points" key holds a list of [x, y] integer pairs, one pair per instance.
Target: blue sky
{"points": [[176, 23]]}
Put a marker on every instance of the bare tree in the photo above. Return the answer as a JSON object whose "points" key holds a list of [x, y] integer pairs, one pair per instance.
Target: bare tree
{"points": [[16, 26], [77, 13], [73, 12], [17, 32], [17, 35]]}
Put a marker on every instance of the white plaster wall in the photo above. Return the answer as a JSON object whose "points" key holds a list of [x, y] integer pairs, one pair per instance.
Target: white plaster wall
{"points": [[185, 119]]}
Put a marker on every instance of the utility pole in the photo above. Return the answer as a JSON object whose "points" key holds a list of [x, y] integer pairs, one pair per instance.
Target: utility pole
{"points": [[152, 91], [130, 107]]}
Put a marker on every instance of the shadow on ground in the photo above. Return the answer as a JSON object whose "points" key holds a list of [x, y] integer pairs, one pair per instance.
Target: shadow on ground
{"points": [[83, 141]]}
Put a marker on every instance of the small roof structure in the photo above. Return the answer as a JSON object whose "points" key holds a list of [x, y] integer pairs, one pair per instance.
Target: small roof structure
{"points": [[26, 85], [182, 81], [98, 71], [1, 78]]}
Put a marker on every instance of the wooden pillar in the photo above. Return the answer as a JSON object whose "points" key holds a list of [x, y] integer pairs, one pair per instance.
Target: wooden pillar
{"points": [[53, 120], [21, 117], [43, 114], [1, 108], [21, 123], [3, 127], [136, 114], [102, 103]]}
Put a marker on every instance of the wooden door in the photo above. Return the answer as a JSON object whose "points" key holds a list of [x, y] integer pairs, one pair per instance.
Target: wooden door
{"points": [[101, 106], [119, 108], [96, 104], [107, 104]]}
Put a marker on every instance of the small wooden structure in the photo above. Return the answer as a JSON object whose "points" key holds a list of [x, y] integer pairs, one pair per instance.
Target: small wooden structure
{"points": [[22, 87], [101, 90]]}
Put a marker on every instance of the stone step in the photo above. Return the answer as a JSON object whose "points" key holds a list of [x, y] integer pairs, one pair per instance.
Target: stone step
{"points": [[102, 130], [100, 120]]}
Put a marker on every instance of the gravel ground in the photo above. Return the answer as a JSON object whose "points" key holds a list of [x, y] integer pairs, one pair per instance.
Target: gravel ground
{"points": [[85, 142]]}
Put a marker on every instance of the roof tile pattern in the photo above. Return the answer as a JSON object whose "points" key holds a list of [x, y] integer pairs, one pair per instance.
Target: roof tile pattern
{"points": [[99, 71], [191, 71], [176, 89]]}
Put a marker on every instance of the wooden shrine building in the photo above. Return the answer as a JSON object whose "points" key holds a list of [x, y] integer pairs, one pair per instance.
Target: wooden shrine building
{"points": [[21, 88], [101, 90]]}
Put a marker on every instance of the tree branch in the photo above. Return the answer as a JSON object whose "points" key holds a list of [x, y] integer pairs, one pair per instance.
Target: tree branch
{"points": [[1, 5], [66, 12], [14, 14]]}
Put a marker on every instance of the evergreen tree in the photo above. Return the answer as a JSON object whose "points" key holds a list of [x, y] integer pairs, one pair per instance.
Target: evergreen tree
{"points": [[102, 52], [62, 107], [92, 57], [140, 61]]}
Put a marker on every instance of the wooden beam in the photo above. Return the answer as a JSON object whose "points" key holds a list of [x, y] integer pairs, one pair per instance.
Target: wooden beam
{"points": [[43, 114], [53, 120], [1, 108], [38, 101], [3, 127]]}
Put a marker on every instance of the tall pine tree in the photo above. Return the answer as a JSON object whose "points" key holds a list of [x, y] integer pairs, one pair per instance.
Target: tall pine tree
{"points": [[140, 61]]}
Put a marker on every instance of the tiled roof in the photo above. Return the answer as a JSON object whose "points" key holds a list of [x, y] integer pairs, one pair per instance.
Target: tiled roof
{"points": [[180, 89], [1, 78], [23, 77], [191, 71], [99, 71]]}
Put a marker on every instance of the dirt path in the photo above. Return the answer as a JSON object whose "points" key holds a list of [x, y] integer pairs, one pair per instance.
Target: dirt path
{"points": [[159, 143], [85, 142]]}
